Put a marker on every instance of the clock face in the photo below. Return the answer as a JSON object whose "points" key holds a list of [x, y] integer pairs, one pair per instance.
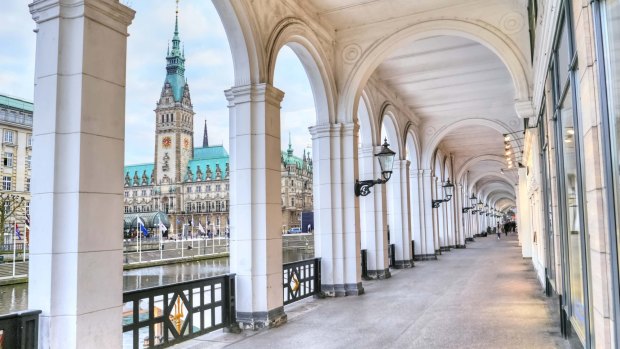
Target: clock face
{"points": [[166, 142], [186, 143]]}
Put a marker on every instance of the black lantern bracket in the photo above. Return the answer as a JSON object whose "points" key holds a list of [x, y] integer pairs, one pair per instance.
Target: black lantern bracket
{"points": [[386, 162]]}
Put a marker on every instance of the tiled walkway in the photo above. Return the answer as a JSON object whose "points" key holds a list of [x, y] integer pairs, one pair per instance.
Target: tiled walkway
{"points": [[485, 296]]}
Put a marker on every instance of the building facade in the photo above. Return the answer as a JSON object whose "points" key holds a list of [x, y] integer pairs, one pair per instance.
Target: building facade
{"points": [[16, 131], [191, 184]]}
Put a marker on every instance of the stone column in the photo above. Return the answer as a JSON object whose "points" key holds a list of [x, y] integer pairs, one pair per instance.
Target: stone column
{"points": [[337, 234], [373, 218], [76, 250], [255, 207], [525, 231], [399, 226], [415, 209], [427, 242], [350, 210]]}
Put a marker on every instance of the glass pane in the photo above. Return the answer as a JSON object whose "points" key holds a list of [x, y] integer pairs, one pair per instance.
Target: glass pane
{"points": [[572, 215], [612, 55], [562, 59]]}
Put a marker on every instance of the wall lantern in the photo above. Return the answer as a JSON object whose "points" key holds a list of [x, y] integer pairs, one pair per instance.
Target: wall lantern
{"points": [[447, 192], [386, 162], [479, 205]]}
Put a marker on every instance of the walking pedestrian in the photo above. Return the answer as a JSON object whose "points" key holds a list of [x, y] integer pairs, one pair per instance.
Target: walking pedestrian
{"points": [[499, 230]]}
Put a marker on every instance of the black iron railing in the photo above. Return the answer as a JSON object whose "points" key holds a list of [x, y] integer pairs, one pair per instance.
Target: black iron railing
{"points": [[364, 260], [20, 330], [166, 315], [392, 255], [301, 279]]}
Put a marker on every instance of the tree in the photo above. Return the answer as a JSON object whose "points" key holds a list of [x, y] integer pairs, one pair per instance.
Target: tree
{"points": [[11, 205]]}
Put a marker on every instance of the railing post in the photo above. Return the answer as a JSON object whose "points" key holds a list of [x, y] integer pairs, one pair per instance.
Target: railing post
{"points": [[231, 310], [364, 264], [412, 250], [317, 277]]}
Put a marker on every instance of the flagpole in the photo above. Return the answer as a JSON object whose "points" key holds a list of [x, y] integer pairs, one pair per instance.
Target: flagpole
{"points": [[24, 243], [14, 247], [161, 240]]}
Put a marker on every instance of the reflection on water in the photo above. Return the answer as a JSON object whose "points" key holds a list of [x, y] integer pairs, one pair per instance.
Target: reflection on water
{"points": [[15, 297]]}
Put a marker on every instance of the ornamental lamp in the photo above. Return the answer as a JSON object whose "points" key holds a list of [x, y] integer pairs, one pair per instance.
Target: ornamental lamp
{"points": [[386, 162]]}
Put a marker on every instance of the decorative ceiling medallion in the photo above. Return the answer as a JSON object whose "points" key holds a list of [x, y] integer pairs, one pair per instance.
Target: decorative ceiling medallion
{"points": [[512, 23], [351, 53]]}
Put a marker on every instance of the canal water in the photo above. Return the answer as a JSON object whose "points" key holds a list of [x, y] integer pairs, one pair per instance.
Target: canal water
{"points": [[15, 297]]}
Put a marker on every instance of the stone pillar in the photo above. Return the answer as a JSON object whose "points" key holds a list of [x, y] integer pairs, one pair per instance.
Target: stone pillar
{"points": [[255, 207], [427, 241], [350, 210], [459, 226], [76, 250], [399, 226], [374, 216], [336, 218], [523, 207], [415, 209]]}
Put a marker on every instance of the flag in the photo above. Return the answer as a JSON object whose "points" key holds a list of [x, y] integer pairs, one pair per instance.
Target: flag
{"points": [[162, 227], [201, 228], [17, 234], [142, 227]]}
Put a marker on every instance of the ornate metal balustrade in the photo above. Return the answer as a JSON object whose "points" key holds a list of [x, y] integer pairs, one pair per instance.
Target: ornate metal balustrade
{"points": [[166, 315], [301, 279], [20, 330]]}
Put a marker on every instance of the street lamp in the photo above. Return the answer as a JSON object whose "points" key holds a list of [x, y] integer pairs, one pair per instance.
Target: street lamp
{"points": [[448, 187], [386, 162], [473, 203]]}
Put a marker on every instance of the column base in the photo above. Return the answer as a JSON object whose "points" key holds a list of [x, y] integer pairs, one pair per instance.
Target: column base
{"points": [[379, 274], [425, 257], [460, 246], [470, 239], [342, 290], [444, 248], [261, 319], [404, 264]]}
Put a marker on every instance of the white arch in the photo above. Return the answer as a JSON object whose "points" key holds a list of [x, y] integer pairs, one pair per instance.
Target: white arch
{"points": [[366, 118], [244, 43], [390, 125], [295, 34], [412, 145], [469, 163], [474, 180], [489, 36], [436, 138]]}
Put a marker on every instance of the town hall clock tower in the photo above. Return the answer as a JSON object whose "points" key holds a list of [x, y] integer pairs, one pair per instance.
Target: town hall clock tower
{"points": [[174, 119]]}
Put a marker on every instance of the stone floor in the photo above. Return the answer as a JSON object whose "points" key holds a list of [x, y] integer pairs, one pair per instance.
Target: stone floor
{"points": [[485, 296]]}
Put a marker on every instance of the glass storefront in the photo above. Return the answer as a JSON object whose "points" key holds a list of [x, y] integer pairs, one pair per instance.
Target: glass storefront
{"points": [[611, 23]]}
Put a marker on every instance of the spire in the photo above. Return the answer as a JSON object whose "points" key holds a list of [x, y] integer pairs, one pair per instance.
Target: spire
{"points": [[175, 67], [289, 152], [205, 137]]}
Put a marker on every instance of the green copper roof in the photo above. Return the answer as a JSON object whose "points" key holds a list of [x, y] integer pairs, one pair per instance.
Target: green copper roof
{"points": [[213, 152], [175, 68], [16, 103], [289, 158], [132, 170]]}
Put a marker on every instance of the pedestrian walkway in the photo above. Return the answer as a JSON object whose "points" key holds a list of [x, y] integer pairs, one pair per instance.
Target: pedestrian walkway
{"points": [[485, 296]]}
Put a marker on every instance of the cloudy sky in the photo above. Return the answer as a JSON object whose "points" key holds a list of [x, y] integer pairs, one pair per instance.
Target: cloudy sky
{"points": [[208, 69]]}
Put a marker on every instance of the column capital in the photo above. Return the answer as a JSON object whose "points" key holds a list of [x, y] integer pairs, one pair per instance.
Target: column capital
{"points": [[426, 173], [109, 13], [254, 93], [325, 130], [401, 163]]}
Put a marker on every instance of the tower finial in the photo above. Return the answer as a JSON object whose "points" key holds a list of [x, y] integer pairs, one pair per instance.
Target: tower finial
{"points": [[176, 23], [290, 146]]}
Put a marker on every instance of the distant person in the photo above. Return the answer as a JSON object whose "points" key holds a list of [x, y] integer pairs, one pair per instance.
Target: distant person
{"points": [[499, 230], [309, 227]]}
